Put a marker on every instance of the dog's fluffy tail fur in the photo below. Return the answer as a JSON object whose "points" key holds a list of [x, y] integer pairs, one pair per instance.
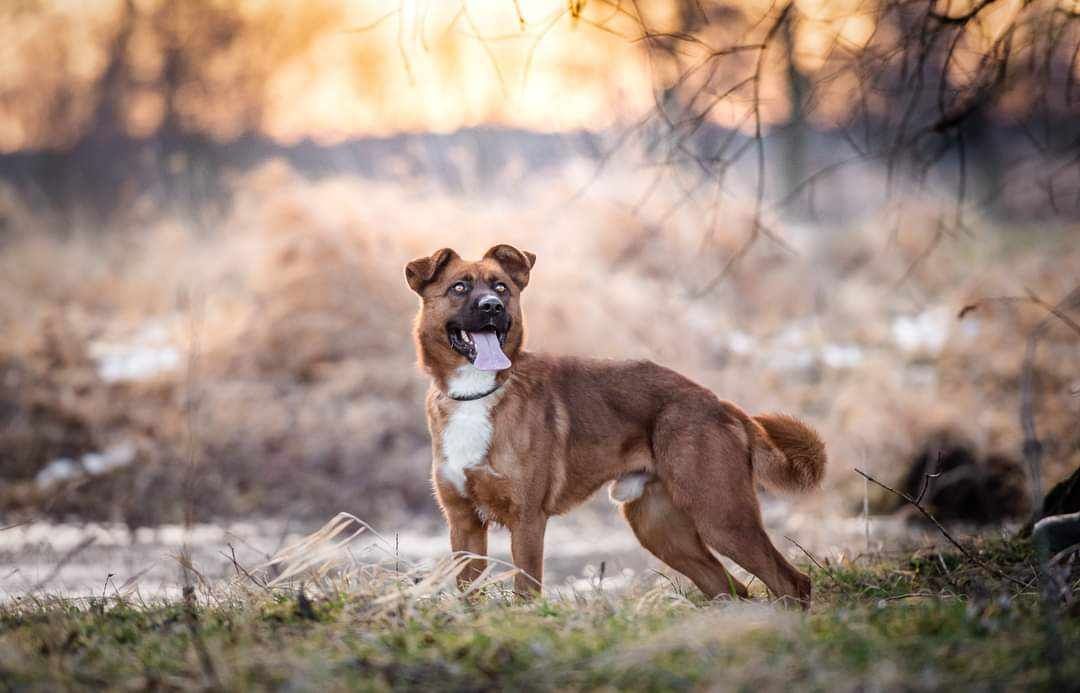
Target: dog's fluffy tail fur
{"points": [[787, 455]]}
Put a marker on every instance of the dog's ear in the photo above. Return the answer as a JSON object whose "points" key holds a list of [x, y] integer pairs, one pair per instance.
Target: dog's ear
{"points": [[517, 263], [424, 270]]}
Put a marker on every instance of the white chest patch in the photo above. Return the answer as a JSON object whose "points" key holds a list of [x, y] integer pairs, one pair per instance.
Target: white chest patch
{"points": [[467, 435]]}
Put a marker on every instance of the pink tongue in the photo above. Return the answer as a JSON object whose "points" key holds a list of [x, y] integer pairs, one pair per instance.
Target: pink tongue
{"points": [[489, 356]]}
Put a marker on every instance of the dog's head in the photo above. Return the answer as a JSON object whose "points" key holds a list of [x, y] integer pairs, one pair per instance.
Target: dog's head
{"points": [[470, 311]]}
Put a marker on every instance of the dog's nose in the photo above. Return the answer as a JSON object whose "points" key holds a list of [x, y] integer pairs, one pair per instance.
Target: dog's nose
{"points": [[490, 306]]}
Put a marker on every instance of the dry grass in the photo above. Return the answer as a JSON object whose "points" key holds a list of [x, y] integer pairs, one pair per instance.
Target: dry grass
{"points": [[333, 612], [304, 396]]}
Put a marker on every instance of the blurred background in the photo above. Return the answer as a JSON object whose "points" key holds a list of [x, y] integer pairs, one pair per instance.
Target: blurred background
{"points": [[862, 212]]}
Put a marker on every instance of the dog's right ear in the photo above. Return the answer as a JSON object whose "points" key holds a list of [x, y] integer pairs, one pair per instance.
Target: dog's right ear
{"points": [[424, 270]]}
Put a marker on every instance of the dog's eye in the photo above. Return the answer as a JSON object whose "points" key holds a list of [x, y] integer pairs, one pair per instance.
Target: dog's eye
{"points": [[459, 288], [500, 288]]}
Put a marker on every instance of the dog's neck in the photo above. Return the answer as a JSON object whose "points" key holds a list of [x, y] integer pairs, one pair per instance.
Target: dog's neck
{"points": [[469, 382], [466, 382]]}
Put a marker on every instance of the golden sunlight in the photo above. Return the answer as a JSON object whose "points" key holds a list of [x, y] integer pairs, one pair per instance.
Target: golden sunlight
{"points": [[331, 70]]}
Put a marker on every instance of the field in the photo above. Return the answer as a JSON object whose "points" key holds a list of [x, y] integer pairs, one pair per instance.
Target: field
{"points": [[864, 215], [921, 621], [177, 395], [263, 364]]}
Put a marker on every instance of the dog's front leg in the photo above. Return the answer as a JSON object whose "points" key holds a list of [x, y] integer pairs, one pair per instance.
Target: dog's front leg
{"points": [[527, 549], [467, 534]]}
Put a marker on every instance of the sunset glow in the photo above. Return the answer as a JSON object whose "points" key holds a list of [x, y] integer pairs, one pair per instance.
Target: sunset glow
{"points": [[330, 70]]}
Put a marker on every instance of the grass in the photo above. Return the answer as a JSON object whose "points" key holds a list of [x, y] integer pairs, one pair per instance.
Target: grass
{"points": [[922, 621]]}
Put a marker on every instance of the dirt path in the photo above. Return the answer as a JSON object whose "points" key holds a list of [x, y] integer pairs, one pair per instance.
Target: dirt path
{"points": [[83, 560]]}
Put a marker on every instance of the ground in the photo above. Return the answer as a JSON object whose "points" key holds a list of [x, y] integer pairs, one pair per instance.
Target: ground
{"points": [[928, 619], [76, 559]]}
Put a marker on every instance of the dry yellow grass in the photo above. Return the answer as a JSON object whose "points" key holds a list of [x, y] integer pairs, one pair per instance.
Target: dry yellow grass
{"points": [[292, 382]]}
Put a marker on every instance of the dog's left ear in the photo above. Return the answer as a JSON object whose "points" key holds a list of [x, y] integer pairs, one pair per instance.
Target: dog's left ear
{"points": [[517, 263]]}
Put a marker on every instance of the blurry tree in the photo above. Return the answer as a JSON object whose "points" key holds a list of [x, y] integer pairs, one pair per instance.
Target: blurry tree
{"points": [[976, 96], [140, 93]]}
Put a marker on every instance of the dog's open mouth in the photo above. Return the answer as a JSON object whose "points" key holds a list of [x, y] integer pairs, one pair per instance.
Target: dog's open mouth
{"points": [[483, 348]]}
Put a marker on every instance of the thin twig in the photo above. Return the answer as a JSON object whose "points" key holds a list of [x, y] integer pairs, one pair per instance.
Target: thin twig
{"points": [[808, 554], [821, 567], [944, 532], [241, 569], [928, 476], [1032, 446]]}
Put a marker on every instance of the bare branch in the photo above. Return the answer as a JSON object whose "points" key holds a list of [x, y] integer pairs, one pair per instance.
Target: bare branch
{"points": [[944, 532]]}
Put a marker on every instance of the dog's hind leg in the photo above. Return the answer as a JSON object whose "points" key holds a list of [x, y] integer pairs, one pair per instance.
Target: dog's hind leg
{"points": [[703, 461], [748, 545], [669, 534]]}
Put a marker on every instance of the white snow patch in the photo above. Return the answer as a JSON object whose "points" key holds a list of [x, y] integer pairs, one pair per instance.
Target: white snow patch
{"points": [[741, 343], [148, 353], [841, 355], [92, 464], [926, 331]]}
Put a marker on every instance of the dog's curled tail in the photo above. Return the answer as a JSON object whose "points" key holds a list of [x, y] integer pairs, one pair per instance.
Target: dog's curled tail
{"points": [[787, 454]]}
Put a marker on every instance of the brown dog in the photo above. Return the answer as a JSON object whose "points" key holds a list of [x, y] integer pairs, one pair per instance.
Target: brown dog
{"points": [[518, 437]]}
